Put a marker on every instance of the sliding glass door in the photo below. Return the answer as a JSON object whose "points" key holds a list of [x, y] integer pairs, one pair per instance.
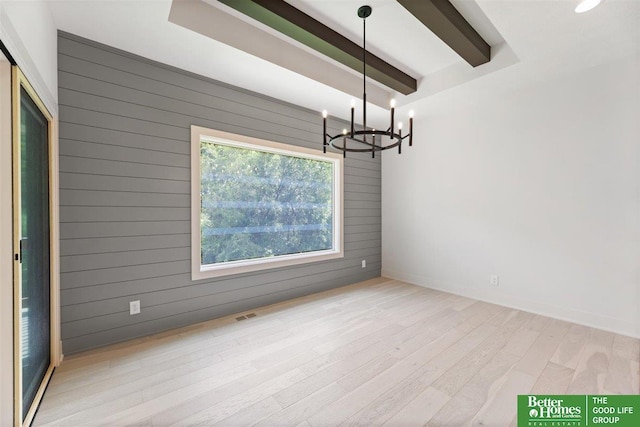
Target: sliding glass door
{"points": [[32, 275]]}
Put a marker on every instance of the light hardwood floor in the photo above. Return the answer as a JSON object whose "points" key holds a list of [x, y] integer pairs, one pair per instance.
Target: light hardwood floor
{"points": [[381, 352]]}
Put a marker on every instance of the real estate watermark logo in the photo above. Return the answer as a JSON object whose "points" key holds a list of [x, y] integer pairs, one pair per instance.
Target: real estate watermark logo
{"points": [[555, 410], [578, 410]]}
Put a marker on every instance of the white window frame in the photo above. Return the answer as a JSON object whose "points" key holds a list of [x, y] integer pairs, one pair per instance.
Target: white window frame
{"points": [[198, 271]]}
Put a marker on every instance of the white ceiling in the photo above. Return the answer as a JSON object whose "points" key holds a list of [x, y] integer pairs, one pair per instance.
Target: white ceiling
{"points": [[531, 40]]}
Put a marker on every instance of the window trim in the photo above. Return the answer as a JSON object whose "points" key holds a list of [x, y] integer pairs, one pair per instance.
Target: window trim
{"points": [[198, 271]]}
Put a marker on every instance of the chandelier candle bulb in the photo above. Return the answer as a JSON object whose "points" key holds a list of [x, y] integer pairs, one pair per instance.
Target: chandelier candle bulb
{"points": [[353, 109], [344, 143], [373, 143], [393, 110], [324, 131], [411, 128]]}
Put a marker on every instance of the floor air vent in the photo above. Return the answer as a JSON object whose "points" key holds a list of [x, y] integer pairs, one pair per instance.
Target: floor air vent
{"points": [[246, 316]]}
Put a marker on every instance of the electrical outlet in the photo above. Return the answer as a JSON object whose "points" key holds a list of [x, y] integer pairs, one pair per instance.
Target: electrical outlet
{"points": [[364, 263], [134, 307], [495, 280]]}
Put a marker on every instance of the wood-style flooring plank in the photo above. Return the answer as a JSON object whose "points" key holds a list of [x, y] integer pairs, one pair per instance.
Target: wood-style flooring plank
{"points": [[627, 347], [380, 352], [501, 407], [187, 402], [306, 407], [468, 401], [420, 410], [537, 357], [570, 349], [623, 375], [386, 393], [592, 368], [554, 379]]}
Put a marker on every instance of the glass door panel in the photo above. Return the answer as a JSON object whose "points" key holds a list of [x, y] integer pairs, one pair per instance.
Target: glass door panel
{"points": [[32, 243], [35, 302]]}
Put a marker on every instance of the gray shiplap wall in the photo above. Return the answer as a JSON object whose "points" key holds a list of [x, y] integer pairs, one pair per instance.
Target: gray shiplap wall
{"points": [[124, 197]]}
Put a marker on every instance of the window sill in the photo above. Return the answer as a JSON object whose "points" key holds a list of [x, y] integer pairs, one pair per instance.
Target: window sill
{"points": [[247, 266]]}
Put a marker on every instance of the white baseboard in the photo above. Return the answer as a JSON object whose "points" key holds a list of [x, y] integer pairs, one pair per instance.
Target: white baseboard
{"points": [[593, 320]]}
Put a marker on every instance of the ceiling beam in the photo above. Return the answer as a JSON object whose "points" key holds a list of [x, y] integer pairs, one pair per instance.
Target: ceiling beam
{"points": [[296, 24], [443, 19]]}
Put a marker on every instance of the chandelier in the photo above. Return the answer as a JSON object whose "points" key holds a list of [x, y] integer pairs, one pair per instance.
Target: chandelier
{"points": [[366, 140]]}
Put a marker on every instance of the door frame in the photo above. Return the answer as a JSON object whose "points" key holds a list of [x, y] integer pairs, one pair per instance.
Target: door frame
{"points": [[18, 81]]}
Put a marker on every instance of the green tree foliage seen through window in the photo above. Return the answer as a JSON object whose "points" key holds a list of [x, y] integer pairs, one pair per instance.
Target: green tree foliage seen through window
{"points": [[257, 204]]}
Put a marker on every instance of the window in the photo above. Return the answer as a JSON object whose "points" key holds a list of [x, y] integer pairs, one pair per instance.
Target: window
{"points": [[258, 204]]}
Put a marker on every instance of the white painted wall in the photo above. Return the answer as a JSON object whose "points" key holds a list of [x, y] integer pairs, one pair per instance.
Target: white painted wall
{"points": [[28, 31], [539, 186]]}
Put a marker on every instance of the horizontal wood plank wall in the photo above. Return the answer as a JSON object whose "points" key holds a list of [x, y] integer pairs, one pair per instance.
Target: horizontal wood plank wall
{"points": [[124, 194]]}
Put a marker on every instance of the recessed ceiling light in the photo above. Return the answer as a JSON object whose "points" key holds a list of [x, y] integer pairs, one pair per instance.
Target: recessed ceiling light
{"points": [[586, 5]]}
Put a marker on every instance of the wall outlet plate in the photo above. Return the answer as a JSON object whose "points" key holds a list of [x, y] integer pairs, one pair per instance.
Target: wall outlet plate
{"points": [[495, 280], [134, 307], [364, 263]]}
